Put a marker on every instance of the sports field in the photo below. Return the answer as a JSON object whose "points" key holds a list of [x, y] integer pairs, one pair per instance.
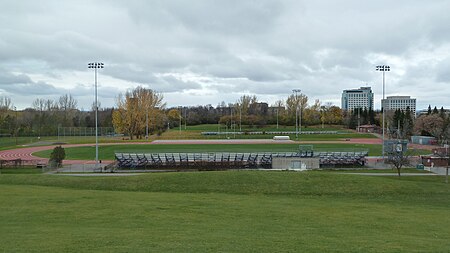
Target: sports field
{"points": [[224, 212], [107, 152]]}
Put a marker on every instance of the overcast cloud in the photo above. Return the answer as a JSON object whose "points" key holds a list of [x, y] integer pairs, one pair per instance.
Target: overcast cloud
{"points": [[203, 52]]}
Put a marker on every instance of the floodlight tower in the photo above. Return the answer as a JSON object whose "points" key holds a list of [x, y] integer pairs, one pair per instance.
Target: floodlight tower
{"points": [[383, 68], [295, 91], [95, 66]]}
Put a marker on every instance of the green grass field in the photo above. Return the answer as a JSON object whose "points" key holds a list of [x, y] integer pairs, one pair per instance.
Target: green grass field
{"points": [[216, 127], [191, 132], [224, 212], [107, 152], [194, 132]]}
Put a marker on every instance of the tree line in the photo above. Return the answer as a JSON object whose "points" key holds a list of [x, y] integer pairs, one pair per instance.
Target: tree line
{"points": [[45, 116], [141, 111]]}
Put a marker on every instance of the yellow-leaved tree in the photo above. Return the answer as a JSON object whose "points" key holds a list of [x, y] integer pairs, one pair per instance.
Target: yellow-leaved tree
{"points": [[139, 110]]}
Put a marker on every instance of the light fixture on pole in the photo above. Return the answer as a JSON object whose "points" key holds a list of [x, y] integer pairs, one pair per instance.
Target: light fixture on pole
{"points": [[95, 66], [295, 91], [383, 68]]}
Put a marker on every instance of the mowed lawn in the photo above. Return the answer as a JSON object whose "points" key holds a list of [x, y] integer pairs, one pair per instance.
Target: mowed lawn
{"points": [[107, 152], [239, 211]]}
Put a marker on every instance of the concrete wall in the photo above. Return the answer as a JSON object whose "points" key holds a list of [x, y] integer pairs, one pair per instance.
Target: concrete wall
{"points": [[295, 163]]}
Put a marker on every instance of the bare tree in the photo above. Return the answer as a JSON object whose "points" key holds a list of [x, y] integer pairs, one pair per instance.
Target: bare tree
{"points": [[5, 104], [245, 102], [398, 157], [67, 106]]}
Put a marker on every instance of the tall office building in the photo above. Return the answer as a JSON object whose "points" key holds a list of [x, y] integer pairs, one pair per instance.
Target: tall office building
{"points": [[399, 102], [357, 98]]}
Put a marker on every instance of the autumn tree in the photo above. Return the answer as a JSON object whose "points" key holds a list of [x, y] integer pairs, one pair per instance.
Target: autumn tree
{"points": [[331, 114], [174, 117], [244, 103], [135, 108], [5, 118], [429, 125], [311, 114], [292, 103]]}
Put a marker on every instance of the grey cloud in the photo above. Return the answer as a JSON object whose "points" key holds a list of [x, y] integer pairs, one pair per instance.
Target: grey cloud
{"points": [[130, 73], [443, 71], [22, 84], [263, 47], [169, 84], [9, 78], [35, 88]]}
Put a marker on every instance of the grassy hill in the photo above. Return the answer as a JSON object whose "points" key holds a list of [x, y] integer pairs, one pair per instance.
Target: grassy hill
{"points": [[224, 212]]}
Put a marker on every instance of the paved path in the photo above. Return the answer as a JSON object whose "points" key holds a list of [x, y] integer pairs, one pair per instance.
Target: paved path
{"points": [[98, 174], [389, 174]]}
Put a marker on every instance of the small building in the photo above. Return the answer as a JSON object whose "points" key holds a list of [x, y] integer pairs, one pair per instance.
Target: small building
{"points": [[295, 163], [423, 140], [368, 129], [434, 161], [439, 158]]}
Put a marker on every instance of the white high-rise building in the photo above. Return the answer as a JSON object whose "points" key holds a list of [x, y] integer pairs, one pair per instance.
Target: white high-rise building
{"points": [[399, 102], [357, 98]]}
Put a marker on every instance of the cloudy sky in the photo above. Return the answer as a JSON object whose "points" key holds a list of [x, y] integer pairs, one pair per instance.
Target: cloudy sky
{"points": [[200, 52]]}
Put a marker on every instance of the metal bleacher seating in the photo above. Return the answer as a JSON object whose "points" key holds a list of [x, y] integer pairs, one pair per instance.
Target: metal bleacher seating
{"points": [[213, 161]]}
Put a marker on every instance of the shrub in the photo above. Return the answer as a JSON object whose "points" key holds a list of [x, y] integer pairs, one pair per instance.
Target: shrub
{"points": [[57, 156]]}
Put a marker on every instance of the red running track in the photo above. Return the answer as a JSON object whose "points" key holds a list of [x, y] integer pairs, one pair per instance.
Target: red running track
{"points": [[26, 154]]}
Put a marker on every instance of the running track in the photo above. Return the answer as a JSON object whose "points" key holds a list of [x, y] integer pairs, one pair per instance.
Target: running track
{"points": [[26, 154]]}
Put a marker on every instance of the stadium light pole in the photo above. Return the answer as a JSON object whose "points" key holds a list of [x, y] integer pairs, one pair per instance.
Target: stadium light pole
{"points": [[95, 66], [277, 116], [15, 127], [295, 91], [240, 118], [181, 111], [383, 68], [146, 125]]}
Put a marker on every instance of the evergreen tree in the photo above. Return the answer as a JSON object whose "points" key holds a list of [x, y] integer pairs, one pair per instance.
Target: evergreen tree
{"points": [[397, 122], [408, 123], [365, 116], [371, 116], [435, 110], [442, 112], [57, 156], [429, 110], [353, 119]]}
